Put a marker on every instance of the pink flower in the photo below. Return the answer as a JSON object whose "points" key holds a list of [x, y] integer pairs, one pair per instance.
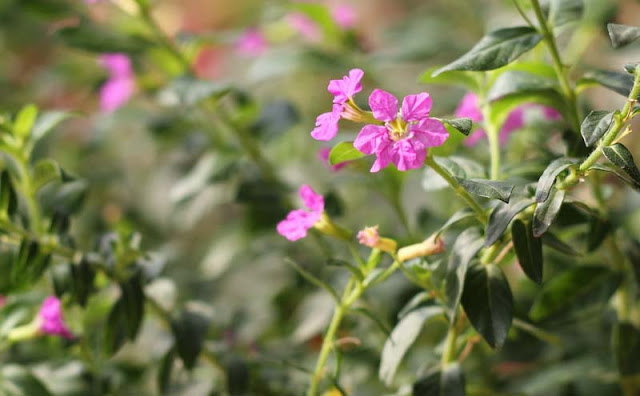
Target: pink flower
{"points": [[343, 15], [120, 85], [303, 25], [405, 135], [342, 91], [50, 316], [3, 300], [298, 221], [323, 154], [369, 236], [469, 107], [251, 43]]}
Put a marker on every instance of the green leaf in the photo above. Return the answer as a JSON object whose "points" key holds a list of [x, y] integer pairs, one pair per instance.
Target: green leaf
{"points": [[29, 265], [189, 330], [415, 302], [8, 198], [515, 81], [599, 229], [555, 243], [501, 108], [47, 121], [462, 125], [501, 217], [498, 48], [461, 167], [462, 214], [45, 171], [612, 169], [528, 249], [622, 35], [574, 286], [164, 371], [492, 189], [562, 12], [620, 156], [24, 121], [488, 303], [615, 81], [465, 248], [595, 125], [546, 212], [344, 151], [548, 177], [82, 275], [132, 298], [312, 279], [446, 382], [465, 79], [626, 346], [89, 36], [189, 91]]}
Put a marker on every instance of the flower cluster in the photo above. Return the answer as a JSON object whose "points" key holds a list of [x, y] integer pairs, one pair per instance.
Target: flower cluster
{"points": [[120, 85], [299, 221], [399, 136], [469, 107]]}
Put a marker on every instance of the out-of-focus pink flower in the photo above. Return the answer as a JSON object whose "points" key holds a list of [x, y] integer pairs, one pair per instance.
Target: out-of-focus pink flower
{"points": [[369, 236], [342, 90], [303, 25], [344, 15], [50, 316], [299, 221], [323, 154], [251, 43], [405, 136], [120, 85], [469, 107], [3, 300]]}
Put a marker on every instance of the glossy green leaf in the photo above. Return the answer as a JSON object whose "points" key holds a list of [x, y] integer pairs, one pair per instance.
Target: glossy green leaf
{"points": [[595, 125], [462, 214], [514, 81], [461, 167], [631, 67], [548, 177], [465, 248], [24, 121], [615, 81], [454, 77], [189, 330], [626, 346], [501, 217], [344, 151], [402, 337], [133, 299], [528, 249], [562, 12], [622, 35], [620, 156], [416, 301], [488, 302], [492, 189], [574, 286], [547, 211], [462, 125], [498, 48], [614, 170], [557, 244]]}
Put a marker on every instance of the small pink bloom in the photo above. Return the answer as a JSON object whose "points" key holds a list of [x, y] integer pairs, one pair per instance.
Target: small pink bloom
{"points": [[405, 136], [369, 236], [3, 300], [251, 43], [51, 321], [298, 221], [469, 107], [550, 113], [514, 121], [344, 15], [120, 85], [323, 154], [342, 91], [303, 25]]}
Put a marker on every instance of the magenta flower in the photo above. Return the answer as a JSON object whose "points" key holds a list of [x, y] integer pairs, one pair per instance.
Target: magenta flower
{"points": [[298, 221], [343, 91], [405, 135], [303, 25], [323, 155], [251, 43], [50, 316], [120, 85], [343, 15], [369, 236], [469, 107]]}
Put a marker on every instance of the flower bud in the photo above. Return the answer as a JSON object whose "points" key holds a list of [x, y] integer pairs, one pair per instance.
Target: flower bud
{"points": [[369, 237]]}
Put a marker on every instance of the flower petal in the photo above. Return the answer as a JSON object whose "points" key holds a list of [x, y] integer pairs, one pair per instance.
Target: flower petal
{"points": [[297, 223], [475, 137], [383, 104], [348, 86], [115, 92], [514, 121], [416, 107], [383, 157], [327, 124], [468, 107], [430, 132], [312, 200], [370, 138], [408, 154]]}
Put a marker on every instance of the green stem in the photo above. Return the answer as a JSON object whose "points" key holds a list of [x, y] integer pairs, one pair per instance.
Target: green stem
{"points": [[462, 193], [26, 187], [537, 332], [449, 353], [558, 66], [522, 13], [165, 40], [493, 135]]}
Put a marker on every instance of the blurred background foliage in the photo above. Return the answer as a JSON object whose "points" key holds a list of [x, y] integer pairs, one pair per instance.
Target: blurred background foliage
{"points": [[173, 165]]}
